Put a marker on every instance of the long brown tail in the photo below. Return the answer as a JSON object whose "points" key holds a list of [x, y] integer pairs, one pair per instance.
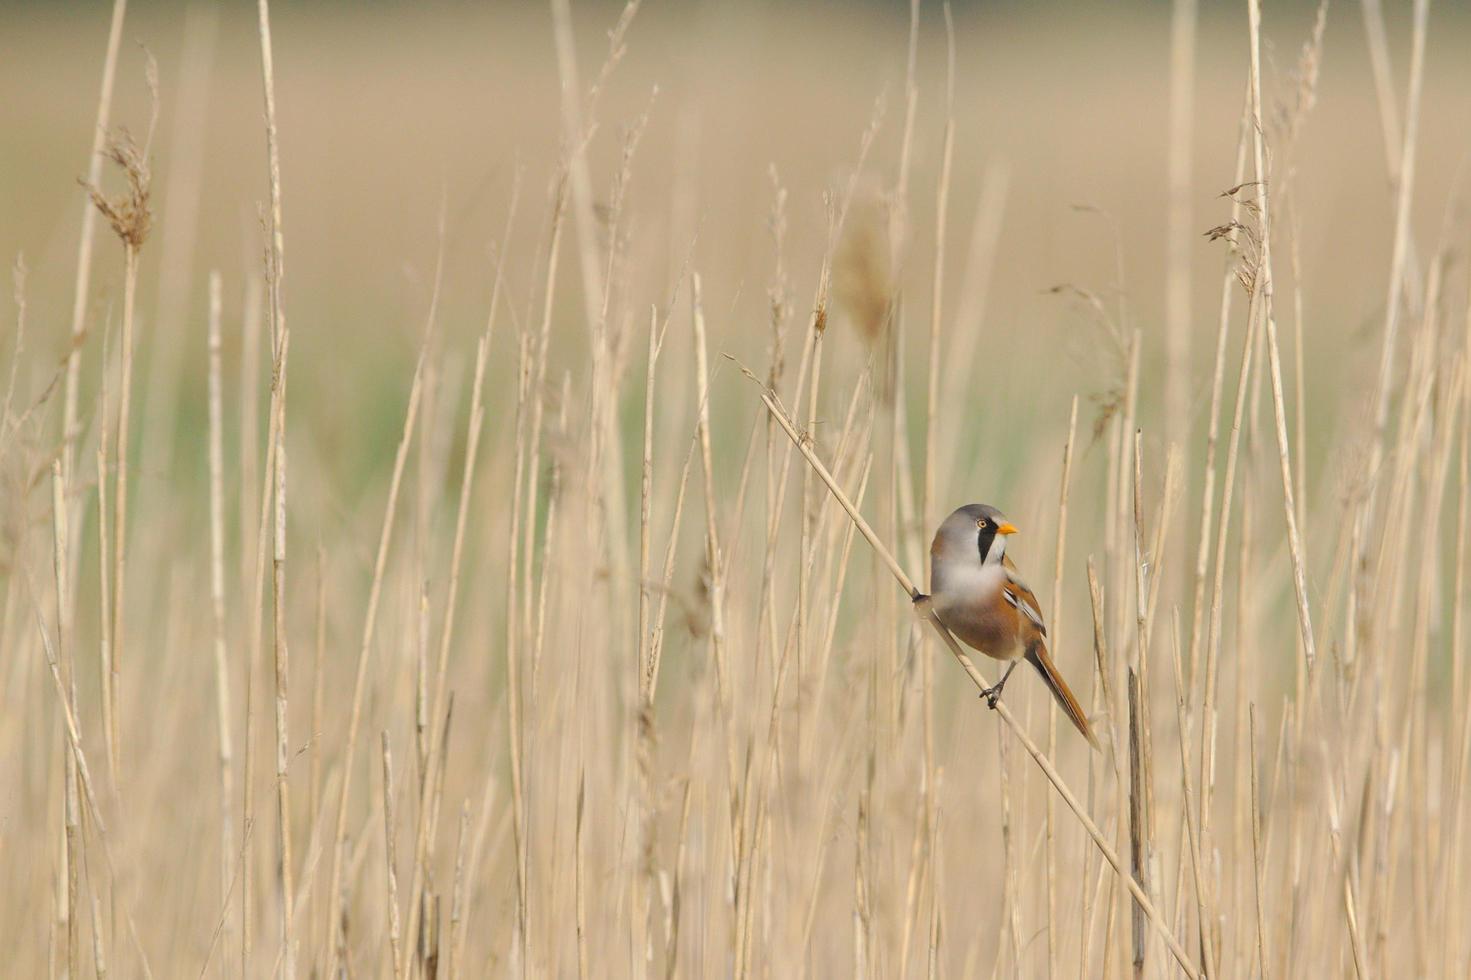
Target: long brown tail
{"points": [[1039, 658]]}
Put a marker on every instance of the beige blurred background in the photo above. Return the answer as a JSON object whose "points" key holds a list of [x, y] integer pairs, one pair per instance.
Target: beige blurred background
{"points": [[386, 112]]}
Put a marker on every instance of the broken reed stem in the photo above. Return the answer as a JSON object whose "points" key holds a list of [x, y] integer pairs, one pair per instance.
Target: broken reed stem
{"points": [[1053, 776]]}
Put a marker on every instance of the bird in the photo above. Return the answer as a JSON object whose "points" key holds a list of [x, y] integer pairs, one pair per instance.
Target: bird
{"points": [[977, 594]]}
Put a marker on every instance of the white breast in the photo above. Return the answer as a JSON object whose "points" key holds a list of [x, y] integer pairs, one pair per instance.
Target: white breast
{"points": [[966, 583]]}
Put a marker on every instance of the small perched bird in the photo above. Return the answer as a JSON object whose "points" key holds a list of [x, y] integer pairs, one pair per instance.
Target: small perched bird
{"points": [[978, 595]]}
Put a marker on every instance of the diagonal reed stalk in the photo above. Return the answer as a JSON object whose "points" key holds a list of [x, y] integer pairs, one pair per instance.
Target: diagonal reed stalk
{"points": [[1053, 776]]}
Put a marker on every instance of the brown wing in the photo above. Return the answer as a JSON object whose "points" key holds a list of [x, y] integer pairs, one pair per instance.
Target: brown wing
{"points": [[1026, 603], [1021, 597]]}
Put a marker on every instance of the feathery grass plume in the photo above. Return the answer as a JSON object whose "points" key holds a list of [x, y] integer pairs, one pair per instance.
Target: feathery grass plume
{"points": [[863, 283], [130, 212]]}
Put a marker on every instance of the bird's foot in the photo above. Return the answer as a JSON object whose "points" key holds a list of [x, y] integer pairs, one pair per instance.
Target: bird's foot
{"points": [[993, 694]]}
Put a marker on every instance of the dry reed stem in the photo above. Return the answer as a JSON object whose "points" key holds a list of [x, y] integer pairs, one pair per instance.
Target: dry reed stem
{"points": [[104, 583], [1055, 632], [1402, 156], [69, 427], [370, 621], [1181, 218], [178, 235], [1258, 855], [316, 791], [84, 775], [1263, 283], [120, 502], [927, 512], [515, 734], [390, 833], [217, 593], [275, 270], [1036, 753], [247, 905], [540, 357], [1209, 678], [474, 427], [457, 902], [1143, 819], [72, 853], [429, 740], [715, 563], [1203, 910], [1460, 747]]}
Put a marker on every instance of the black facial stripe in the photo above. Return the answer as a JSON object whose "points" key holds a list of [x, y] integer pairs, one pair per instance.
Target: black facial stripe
{"points": [[984, 538]]}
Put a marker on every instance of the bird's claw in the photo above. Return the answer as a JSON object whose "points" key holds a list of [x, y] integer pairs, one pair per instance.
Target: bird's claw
{"points": [[992, 696]]}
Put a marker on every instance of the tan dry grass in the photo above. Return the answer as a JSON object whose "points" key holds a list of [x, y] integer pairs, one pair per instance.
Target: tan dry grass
{"points": [[741, 758]]}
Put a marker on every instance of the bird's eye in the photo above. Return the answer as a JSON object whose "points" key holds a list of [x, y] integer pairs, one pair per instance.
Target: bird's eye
{"points": [[981, 523]]}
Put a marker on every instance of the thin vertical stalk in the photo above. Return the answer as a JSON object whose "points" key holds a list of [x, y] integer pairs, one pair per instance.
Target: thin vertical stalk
{"points": [[73, 815], [390, 851], [1055, 632], [1177, 271], [359, 684], [1202, 905], [1213, 420], [1263, 284], [120, 498], [217, 594], [712, 534], [1404, 198], [275, 272], [82, 287], [1258, 854]]}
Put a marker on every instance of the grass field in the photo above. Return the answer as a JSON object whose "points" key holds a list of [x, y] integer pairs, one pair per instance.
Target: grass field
{"points": [[405, 568]]}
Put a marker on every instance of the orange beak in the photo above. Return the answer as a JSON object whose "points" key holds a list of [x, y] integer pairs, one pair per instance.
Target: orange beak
{"points": [[1006, 529]]}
